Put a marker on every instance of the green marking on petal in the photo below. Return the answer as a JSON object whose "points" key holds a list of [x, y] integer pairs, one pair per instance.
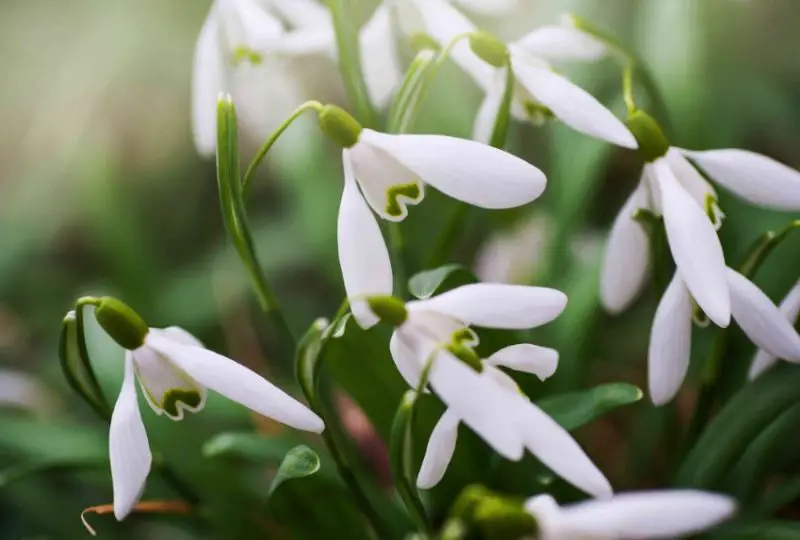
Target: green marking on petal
{"points": [[191, 398], [714, 211], [466, 336], [243, 54], [537, 112], [699, 316], [466, 355], [410, 193]]}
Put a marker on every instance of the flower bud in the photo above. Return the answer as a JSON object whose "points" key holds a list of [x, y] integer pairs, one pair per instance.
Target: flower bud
{"points": [[388, 309], [653, 143], [421, 41], [119, 321], [489, 49], [339, 125]]}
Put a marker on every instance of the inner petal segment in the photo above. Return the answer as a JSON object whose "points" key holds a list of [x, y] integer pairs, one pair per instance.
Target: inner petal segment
{"points": [[167, 388]]}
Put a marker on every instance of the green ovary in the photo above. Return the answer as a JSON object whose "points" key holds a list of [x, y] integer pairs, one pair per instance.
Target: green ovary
{"points": [[172, 397], [411, 192]]}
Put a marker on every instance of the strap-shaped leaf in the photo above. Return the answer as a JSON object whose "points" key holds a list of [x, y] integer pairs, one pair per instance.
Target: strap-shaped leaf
{"points": [[576, 409]]}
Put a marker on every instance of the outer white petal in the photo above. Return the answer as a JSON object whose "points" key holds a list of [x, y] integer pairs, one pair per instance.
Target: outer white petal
{"points": [[475, 400], [128, 447], [627, 257], [465, 170], [643, 515], [179, 335], [237, 383], [555, 447], [561, 43], [790, 307], [495, 305], [490, 106], [753, 177], [406, 357], [694, 246], [689, 178], [444, 22], [570, 103], [539, 361], [761, 320], [363, 257], [439, 451], [208, 80], [379, 58], [303, 13], [246, 24], [670, 342], [306, 41]]}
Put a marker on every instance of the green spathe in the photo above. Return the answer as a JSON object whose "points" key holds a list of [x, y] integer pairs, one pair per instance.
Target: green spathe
{"points": [[339, 125], [388, 309], [121, 322], [653, 144], [489, 49]]}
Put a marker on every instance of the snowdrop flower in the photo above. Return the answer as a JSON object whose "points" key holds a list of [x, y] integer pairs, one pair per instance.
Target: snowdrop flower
{"points": [[174, 372], [386, 174], [671, 334], [539, 91], [234, 32], [673, 188], [631, 516], [790, 308], [541, 435]]}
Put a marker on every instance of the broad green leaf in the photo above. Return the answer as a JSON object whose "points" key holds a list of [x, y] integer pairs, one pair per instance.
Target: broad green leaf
{"points": [[429, 282], [301, 461], [747, 414], [249, 446], [576, 409]]}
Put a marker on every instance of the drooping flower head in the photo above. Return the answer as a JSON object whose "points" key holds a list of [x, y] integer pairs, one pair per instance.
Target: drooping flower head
{"points": [[174, 372]]}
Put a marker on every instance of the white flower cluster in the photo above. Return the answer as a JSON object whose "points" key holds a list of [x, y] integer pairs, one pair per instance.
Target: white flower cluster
{"points": [[433, 344]]}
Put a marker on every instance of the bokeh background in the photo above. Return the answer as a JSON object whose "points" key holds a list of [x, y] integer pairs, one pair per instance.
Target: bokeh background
{"points": [[102, 192]]}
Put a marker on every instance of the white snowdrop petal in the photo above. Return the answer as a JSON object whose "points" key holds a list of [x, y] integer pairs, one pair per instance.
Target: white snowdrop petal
{"points": [[380, 62], [561, 43], [406, 357], [790, 307], [465, 170], [753, 177], [439, 451], [208, 80], [443, 22], [570, 103], [627, 257], [556, 449], [474, 400], [303, 13], [490, 106], [657, 514], [761, 320], [237, 383], [129, 450], [689, 178], [363, 257], [528, 358], [306, 42], [670, 342], [490, 7], [495, 305], [695, 246], [179, 335], [247, 26]]}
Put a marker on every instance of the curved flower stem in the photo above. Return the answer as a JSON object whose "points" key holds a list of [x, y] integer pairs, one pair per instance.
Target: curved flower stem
{"points": [[309, 362], [262, 152], [236, 222], [347, 42], [756, 255]]}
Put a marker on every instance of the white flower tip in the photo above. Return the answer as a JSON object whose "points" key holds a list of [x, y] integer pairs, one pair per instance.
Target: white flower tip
{"points": [[660, 395], [315, 424], [719, 312]]}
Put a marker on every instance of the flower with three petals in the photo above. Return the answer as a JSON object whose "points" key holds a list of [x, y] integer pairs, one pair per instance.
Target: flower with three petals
{"points": [[671, 334], [631, 516], [541, 435]]}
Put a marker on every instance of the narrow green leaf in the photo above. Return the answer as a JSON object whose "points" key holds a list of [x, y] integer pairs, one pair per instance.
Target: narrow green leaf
{"points": [[24, 470], [576, 409], [503, 118], [749, 412], [761, 248], [248, 446], [308, 358], [429, 282], [400, 456], [300, 462]]}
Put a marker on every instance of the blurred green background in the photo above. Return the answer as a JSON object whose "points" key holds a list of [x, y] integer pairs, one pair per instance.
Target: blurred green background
{"points": [[101, 192]]}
